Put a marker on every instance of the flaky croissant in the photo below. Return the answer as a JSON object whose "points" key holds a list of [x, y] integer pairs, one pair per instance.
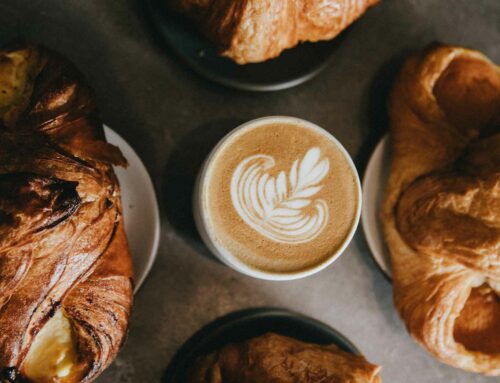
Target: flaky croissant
{"points": [[65, 268], [441, 212], [273, 358], [250, 31]]}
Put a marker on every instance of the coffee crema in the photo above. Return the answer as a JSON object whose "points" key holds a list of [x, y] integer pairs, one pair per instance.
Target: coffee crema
{"points": [[280, 196]]}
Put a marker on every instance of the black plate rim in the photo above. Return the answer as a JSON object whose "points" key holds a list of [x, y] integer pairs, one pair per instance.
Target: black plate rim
{"points": [[155, 11], [212, 330]]}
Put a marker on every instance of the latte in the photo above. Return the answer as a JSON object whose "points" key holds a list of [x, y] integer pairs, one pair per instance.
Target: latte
{"points": [[278, 198]]}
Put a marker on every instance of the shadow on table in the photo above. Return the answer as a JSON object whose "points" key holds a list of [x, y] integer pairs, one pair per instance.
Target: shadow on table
{"points": [[374, 111], [180, 175]]}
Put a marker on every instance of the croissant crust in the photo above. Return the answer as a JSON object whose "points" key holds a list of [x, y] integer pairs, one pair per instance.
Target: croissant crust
{"points": [[274, 358], [441, 212], [62, 243], [250, 31]]}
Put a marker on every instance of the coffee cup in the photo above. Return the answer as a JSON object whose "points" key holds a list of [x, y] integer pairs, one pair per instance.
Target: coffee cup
{"points": [[278, 198]]}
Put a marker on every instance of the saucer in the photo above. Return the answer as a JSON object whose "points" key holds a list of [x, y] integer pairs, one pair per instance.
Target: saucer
{"points": [[293, 67], [140, 208], [242, 325], [374, 181]]}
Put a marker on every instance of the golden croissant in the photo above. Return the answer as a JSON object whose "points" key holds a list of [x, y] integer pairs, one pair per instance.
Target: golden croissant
{"points": [[273, 358], [441, 212], [250, 31], [65, 268]]}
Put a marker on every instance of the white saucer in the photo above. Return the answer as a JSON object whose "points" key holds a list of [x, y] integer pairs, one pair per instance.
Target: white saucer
{"points": [[140, 209], [374, 181]]}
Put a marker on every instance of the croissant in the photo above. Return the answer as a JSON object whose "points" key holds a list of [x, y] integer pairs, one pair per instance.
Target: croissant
{"points": [[273, 358], [65, 268], [441, 213], [250, 31]]}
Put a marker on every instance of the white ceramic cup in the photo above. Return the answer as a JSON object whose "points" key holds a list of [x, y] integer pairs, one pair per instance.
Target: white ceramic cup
{"points": [[202, 218]]}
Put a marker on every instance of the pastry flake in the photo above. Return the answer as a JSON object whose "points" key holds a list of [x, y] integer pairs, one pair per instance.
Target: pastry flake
{"points": [[441, 213], [250, 31], [273, 358]]}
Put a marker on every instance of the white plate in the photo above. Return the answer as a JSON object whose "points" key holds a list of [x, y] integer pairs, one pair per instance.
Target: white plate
{"points": [[140, 208], [374, 181]]}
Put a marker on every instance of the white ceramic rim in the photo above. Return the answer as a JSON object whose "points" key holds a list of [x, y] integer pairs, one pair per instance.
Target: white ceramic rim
{"points": [[372, 182], [133, 159], [202, 219]]}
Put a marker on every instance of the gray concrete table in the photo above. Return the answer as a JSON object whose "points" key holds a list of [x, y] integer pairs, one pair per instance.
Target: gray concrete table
{"points": [[172, 118]]}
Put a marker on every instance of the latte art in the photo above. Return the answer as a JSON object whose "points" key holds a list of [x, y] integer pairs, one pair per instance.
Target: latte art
{"points": [[282, 208], [278, 198]]}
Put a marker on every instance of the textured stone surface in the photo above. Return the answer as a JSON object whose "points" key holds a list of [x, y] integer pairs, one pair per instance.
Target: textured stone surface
{"points": [[172, 118]]}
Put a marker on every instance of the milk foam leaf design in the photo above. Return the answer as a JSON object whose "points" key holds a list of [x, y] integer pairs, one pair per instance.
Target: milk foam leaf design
{"points": [[282, 208]]}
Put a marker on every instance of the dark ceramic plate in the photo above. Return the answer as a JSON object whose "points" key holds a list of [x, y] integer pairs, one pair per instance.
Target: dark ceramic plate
{"points": [[293, 67], [247, 324]]}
